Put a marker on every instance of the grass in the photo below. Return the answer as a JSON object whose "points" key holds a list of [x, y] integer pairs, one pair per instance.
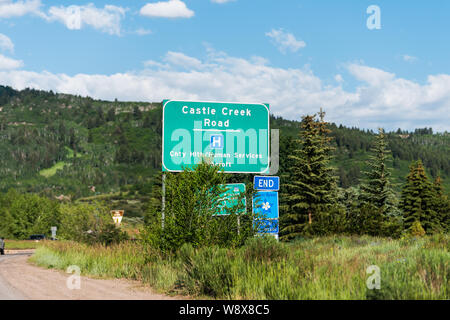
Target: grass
{"points": [[21, 244], [320, 268], [52, 171], [59, 165]]}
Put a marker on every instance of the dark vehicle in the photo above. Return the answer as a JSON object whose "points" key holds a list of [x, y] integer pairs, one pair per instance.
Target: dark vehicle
{"points": [[37, 237], [2, 246]]}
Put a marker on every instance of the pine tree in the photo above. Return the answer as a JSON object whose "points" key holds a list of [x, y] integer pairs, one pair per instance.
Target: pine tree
{"points": [[111, 115], [330, 178], [417, 199], [377, 190], [441, 205], [311, 182]]}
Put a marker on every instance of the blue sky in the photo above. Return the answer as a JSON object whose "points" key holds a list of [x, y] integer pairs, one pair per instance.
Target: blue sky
{"points": [[296, 55]]}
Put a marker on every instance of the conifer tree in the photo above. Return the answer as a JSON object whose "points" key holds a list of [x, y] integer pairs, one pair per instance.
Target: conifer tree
{"points": [[377, 190], [441, 205], [417, 199], [311, 182], [330, 178]]}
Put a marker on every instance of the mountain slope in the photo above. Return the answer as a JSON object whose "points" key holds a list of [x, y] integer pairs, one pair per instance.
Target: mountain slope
{"points": [[58, 144]]}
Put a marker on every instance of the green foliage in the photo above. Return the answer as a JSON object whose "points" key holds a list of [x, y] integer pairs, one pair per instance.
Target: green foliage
{"points": [[58, 144], [418, 198], [207, 271], [89, 223], [330, 268], [37, 128], [441, 205], [377, 189], [25, 214], [192, 198], [311, 185], [264, 249], [416, 230]]}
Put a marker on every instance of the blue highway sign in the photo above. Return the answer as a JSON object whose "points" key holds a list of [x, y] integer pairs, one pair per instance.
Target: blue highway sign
{"points": [[267, 226], [265, 183], [265, 205]]}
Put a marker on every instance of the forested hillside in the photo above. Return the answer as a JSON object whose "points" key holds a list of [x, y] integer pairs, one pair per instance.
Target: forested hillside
{"points": [[73, 147]]}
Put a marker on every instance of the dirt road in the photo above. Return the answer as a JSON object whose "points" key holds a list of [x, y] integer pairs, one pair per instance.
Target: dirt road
{"points": [[21, 280]]}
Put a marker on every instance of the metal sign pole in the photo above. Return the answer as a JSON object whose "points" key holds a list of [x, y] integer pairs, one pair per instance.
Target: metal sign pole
{"points": [[239, 224], [163, 200]]}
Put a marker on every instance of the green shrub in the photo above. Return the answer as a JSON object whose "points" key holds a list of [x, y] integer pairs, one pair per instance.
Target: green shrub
{"points": [[208, 271], [192, 199], [89, 223], [416, 230], [320, 268], [264, 249]]}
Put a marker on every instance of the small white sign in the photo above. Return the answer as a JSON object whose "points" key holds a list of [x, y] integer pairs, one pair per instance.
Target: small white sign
{"points": [[53, 229], [117, 216]]}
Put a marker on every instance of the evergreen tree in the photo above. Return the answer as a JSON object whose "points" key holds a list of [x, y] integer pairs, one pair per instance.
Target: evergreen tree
{"points": [[111, 115], [377, 190], [330, 179], [137, 113], [417, 199], [311, 182], [147, 123], [100, 119], [441, 205]]}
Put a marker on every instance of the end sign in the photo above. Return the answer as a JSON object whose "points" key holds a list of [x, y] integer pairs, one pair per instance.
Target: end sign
{"points": [[265, 183]]}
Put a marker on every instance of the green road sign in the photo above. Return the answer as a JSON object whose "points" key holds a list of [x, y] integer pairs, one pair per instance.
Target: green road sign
{"points": [[229, 200], [232, 135]]}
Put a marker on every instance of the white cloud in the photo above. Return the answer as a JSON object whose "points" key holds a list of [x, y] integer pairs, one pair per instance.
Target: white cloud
{"points": [[167, 9], [182, 60], [143, 32], [410, 59], [222, 1], [381, 98], [9, 64], [388, 99], [6, 44], [155, 64], [285, 41], [9, 8], [339, 78], [373, 76], [74, 17]]}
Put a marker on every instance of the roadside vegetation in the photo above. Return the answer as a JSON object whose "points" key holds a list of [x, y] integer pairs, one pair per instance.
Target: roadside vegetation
{"points": [[22, 244], [202, 255], [332, 267]]}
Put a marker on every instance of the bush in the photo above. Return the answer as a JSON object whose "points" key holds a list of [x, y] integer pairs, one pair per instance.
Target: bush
{"points": [[89, 224], [192, 198], [416, 229], [264, 249], [208, 271]]}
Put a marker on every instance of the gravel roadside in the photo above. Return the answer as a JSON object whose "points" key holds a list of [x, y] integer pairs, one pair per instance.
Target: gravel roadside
{"points": [[21, 280]]}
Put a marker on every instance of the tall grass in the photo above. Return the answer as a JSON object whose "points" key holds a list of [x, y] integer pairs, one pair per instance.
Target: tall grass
{"points": [[22, 244], [320, 268]]}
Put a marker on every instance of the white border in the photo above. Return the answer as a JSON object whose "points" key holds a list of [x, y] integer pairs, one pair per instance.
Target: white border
{"points": [[268, 133]]}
